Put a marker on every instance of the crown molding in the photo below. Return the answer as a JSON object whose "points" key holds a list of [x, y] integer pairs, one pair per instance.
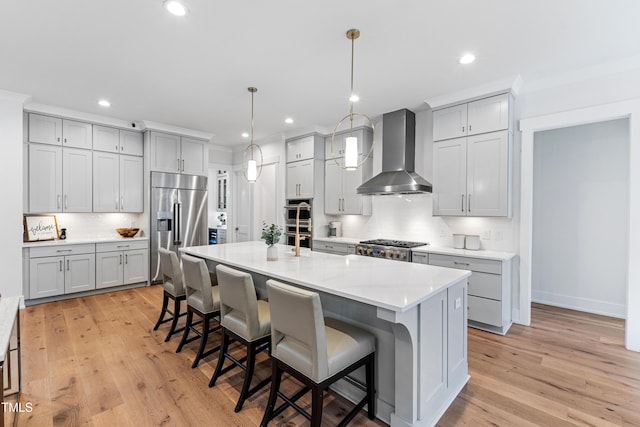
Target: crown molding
{"points": [[510, 84], [161, 127], [15, 96], [52, 110]]}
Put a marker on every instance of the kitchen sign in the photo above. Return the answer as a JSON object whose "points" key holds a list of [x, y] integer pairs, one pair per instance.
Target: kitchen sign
{"points": [[40, 227]]}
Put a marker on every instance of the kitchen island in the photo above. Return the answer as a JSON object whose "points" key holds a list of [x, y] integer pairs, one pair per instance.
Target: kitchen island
{"points": [[417, 313]]}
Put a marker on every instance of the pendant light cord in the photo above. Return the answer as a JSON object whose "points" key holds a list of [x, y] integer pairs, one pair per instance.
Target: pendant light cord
{"points": [[351, 94]]}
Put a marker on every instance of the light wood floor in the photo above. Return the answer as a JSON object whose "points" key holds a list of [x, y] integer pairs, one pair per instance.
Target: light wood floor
{"points": [[96, 361]]}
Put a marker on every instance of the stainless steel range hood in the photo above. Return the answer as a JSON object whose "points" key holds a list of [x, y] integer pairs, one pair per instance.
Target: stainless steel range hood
{"points": [[398, 158]]}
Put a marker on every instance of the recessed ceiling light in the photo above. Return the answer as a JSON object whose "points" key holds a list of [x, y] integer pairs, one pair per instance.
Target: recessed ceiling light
{"points": [[245, 135], [354, 98], [104, 103], [175, 7], [288, 120], [467, 58]]}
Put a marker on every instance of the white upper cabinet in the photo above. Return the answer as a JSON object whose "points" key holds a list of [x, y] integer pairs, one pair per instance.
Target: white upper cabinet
{"points": [[77, 177], [45, 178], [77, 134], [131, 184], [176, 154], [300, 179], [117, 141], [482, 116], [450, 177], [301, 149], [117, 183], [45, 129]]}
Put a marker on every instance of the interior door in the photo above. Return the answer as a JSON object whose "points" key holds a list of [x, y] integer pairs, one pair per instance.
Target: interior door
{"points": [[243, 206], [266, 197]]}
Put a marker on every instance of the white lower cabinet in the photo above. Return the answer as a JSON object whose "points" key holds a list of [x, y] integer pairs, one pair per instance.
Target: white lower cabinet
{"points": [[489, 290], [61, 270], [337, 248], [121, 263]]}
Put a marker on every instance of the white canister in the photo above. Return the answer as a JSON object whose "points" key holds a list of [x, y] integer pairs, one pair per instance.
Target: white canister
{"points": [[458, 241], [472, 242]]}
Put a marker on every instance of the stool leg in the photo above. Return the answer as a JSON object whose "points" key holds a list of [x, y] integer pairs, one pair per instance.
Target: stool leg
{"points": [[203, 340], [316, 406], [187, 328], [165, 301], [221, 358], [248, 375], [371, 387], [276, 376], [176, 314]]}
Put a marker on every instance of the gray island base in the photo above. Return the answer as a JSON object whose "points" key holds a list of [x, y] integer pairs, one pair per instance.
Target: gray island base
{"points": [[417, 313]]}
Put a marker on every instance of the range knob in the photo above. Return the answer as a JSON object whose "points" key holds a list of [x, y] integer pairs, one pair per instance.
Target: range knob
{"points": [[369, 251], [396, 255], [359, 250], [381, 253], [402, 255]]}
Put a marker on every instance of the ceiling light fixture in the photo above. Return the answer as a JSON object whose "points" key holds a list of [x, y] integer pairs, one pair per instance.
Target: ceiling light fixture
{"points": [[351, 157], [288, 120], [175, 7], [245, 135], [251, 164], [467, 58], [104, 103]]}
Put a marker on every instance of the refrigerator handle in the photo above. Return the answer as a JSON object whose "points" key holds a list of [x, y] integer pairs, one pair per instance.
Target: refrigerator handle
{"points": [[177, 214], [175, 222]]}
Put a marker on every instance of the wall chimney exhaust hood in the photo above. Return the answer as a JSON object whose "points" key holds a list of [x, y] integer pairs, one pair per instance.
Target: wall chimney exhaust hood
{"points": [[398, 158]]}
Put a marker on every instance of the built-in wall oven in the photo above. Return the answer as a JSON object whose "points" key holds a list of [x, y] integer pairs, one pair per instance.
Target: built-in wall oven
{"points": [[305, 227]]}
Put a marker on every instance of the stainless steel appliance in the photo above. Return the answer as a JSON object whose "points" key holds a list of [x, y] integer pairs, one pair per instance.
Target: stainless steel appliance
{"points": [[291, 210], [178, 214], [390, 249]]}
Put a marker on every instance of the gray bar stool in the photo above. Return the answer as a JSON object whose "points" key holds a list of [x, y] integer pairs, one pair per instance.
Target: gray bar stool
{"points": [[172, 281], [203, 299], [244, 319], [317, 351]]}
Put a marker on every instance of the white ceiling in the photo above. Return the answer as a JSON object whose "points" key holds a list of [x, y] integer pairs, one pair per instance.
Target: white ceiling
{"points": [[193, 72]]}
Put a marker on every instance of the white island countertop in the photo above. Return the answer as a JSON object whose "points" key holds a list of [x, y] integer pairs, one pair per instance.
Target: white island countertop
{"points": [[393, 285]]}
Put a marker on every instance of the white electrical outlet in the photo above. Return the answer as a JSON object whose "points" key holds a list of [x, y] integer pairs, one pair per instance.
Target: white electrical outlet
{"points": [[457, 303], [498, 235], [486, 235]]}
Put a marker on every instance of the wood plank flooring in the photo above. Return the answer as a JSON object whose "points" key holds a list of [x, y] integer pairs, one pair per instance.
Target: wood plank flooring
{"points": [[95, 361]]}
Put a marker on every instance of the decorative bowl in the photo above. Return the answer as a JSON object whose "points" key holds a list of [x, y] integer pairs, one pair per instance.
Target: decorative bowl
{"points": [[127, 232]]}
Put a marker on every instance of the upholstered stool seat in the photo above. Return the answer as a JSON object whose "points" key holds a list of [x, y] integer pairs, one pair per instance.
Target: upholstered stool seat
{"points": [[203, 299], [244, 319], [315, 350], [173, 284]]}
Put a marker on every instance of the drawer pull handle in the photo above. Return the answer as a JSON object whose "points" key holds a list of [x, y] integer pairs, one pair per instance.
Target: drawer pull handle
{"points": [[123, 246], [67, 265], [460, 263], [64, 250], [60, 265]]}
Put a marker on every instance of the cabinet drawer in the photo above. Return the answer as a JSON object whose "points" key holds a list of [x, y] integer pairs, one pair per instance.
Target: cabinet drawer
{"points": [[61, 250], [485, 285], [485, 310], [465, 263], [121, 246], [420, 258], [332, 248]]}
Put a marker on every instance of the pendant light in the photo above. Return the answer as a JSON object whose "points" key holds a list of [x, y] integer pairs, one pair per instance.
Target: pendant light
{"points": [[252, 155], [350, 159]]}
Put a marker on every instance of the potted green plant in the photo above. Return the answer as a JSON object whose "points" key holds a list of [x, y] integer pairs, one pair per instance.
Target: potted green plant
{"points": [[271, 235]]}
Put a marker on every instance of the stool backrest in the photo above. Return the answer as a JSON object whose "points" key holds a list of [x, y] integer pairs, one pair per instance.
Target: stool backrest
{"points": [[197, 283], [172, 277], [238, 301], [296, 316]]}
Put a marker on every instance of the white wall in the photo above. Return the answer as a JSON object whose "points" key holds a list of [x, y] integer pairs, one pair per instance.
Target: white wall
{"points": [[11, 174], [580, 217]]}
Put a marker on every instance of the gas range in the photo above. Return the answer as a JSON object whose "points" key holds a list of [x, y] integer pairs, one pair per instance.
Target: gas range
{"points": [[390, 249]]}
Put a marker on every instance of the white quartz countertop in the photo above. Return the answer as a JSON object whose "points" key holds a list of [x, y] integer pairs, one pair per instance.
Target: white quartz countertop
{"points": [[484, 254], [347, 240], [81, 241], [8, 310], [393, 285]]}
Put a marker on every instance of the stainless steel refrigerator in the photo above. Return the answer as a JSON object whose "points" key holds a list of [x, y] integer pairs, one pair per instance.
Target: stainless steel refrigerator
{"points": [[178, 214]]}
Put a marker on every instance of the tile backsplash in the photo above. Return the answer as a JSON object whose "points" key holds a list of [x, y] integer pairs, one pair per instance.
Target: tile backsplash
{"points": [[98, 225]]}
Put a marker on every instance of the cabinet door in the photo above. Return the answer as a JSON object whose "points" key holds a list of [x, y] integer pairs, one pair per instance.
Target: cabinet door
{"points": [[488, 115], [77, 176], [450, 122], [194, 157], [106, 179], [351, 200], [131, 184], [292, 180], [80, 273], [165, 152], [300, 149], [109, 269], [487, 174], [45, 129], [130, 143], [305, 178], [338, 147], [332, 188], [450, 177], [136, 266], [45, 178], [106, 139], [46, 277], [77, 134]]}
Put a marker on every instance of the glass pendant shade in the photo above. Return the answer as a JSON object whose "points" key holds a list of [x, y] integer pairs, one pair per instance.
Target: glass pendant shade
{"points": [[252, 155], [351, 153], [252, 170]]}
